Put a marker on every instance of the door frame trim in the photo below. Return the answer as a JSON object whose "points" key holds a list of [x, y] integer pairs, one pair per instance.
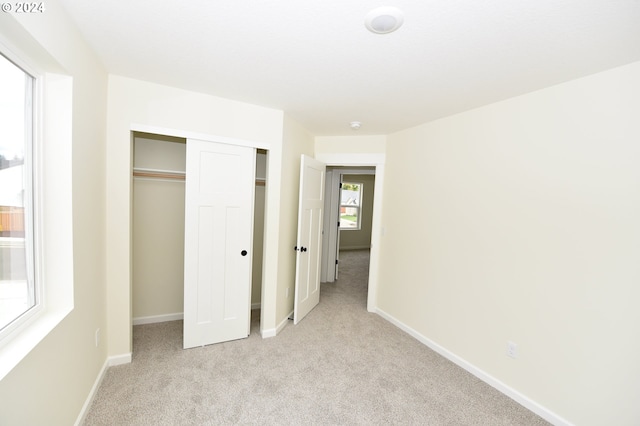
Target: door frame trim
{"points": [[164, 131], [366, 160], [331, 238]]}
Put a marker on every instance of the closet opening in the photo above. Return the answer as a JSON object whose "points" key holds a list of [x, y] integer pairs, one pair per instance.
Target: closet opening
{"points": [[158, 229], [258, 239]]}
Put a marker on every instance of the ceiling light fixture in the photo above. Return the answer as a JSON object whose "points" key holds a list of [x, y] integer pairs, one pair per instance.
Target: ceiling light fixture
{"points": [[355, 125], [384, 20]]}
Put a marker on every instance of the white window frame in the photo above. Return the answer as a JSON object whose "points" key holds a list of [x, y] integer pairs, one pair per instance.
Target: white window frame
{"points": [[358, 207], [31, 216], [52, 198]]}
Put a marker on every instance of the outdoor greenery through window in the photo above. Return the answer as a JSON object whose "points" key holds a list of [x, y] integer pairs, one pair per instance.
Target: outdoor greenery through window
{"points": [[350, 202], [17, 286]]}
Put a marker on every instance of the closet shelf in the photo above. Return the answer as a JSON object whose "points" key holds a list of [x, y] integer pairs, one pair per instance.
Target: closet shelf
{"points": [[158, 173], [172, 174]]}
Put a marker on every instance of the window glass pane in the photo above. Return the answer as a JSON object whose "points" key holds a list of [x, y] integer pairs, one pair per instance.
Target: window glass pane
{"points": [[348, 217], [17, 292], [350, 196]]}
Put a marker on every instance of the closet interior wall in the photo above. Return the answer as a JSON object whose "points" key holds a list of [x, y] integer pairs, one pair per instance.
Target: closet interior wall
{"points": [[158, 228], [258, 228], [159, 164]]}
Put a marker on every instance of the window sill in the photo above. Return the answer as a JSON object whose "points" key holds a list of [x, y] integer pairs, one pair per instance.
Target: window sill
{"points": [[22, 341]]}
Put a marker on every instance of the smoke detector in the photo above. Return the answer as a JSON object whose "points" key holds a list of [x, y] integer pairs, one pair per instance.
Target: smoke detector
{"points": [[355, 125], [384, 20]]}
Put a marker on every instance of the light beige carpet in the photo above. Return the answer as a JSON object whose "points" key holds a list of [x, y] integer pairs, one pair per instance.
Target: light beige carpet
{"points": [[340, 365]]}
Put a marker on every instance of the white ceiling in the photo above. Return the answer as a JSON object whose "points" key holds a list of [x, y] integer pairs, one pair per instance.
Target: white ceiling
{"points": [[315, 60]]}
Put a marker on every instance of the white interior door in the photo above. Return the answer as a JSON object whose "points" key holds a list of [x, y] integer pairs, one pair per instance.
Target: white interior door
{"points": [[338, 231], [219, 194], [334, 231], [326, 274], [309, 244]]}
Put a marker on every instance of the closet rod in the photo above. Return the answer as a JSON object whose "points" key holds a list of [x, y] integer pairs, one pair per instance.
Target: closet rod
{"points": [[159, 175], [175, 176]]}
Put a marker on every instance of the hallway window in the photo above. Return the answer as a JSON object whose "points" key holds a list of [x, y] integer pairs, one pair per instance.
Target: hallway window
{"points": [[17, 285], [350, 202]]}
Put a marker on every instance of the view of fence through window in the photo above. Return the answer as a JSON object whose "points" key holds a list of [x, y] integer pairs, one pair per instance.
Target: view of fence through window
{"points": [[350, 202], [17, 290]]}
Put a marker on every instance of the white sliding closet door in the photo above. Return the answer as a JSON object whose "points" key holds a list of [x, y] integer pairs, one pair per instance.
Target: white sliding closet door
{"points": [[219, 196]]}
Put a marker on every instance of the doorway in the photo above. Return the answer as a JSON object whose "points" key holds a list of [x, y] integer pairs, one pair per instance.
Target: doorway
{"points": [[349, 202], [374, 162]]}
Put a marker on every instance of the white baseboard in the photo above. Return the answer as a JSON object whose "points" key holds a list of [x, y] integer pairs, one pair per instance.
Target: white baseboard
{"points": [[342, 248], [273, 332], [526, 402], [109, 362], [119, 359], [270, 332], [171, 317], [158, 318], [92, 393]]}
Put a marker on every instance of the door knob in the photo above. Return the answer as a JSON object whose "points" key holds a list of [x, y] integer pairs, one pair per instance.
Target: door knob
{"points": [[243, 252]]}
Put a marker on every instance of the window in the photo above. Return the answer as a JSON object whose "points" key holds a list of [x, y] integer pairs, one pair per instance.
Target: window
{"points": [[350, 202], [36, 248], [18, 291]]}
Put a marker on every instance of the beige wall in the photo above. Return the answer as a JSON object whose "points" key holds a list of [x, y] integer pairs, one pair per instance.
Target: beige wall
{"points": [[51, 384], [361, 238], [136, 104], [525, 228]]}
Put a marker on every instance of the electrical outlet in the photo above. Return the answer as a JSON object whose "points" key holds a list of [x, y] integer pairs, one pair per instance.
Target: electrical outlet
{"points": [[97, 337], [512, 349], [286, 293]]}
